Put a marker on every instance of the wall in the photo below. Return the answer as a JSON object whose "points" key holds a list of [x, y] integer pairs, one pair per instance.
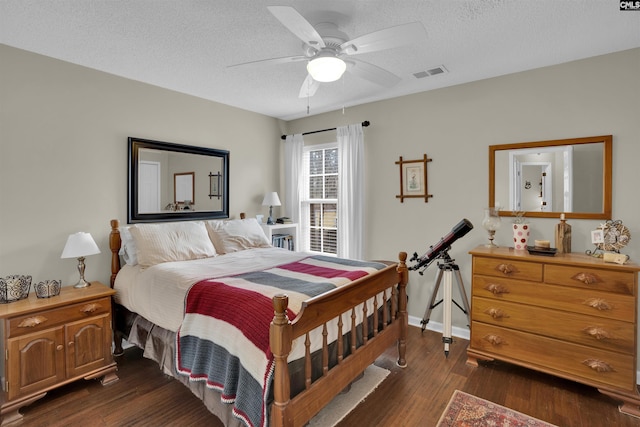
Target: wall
{"points": [[63, 156], [454, 126]]}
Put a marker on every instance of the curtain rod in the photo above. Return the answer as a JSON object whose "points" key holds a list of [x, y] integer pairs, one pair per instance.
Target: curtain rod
{"points": [[364, 124]]}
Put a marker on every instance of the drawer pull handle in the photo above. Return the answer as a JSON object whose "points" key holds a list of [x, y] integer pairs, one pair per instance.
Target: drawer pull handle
{"points": [[597, 332], [496, 313], [497, 289], [59, 347], [493, 339], [506, 269], [598, 365], [598, 304], [31, 322], [90, 308], [586, 278]]}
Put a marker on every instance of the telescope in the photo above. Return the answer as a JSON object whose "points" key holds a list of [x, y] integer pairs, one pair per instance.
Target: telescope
{"points": [[439, 249]]}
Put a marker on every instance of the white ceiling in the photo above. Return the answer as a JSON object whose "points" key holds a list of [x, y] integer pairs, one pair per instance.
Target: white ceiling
{"points": [[187, 45]]}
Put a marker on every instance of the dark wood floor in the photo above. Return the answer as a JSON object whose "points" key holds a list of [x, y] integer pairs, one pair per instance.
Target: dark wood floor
{"points": [[414, 396]]}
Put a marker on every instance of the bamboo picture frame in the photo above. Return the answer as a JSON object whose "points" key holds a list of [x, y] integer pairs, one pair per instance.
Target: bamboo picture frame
{"points": [[413, 179]]}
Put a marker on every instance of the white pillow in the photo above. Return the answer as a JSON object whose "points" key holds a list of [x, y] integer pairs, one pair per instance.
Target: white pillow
{"points": [[176, 241], [128, 249], [237, 235]]}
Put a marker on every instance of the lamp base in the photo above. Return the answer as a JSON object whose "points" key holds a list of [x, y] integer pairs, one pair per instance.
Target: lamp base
{"points": [[82, 284], [270, 219]]}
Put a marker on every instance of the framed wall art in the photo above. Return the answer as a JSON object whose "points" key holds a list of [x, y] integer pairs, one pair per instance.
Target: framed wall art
{"points": [[413, 179]]}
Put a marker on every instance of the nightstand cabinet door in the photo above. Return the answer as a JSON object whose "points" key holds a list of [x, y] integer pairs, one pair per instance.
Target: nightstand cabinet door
{"points": [[36, 361], [88, 345]]}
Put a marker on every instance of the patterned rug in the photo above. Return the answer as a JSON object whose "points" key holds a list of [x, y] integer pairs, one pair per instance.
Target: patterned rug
{"points": [[465, 410]]}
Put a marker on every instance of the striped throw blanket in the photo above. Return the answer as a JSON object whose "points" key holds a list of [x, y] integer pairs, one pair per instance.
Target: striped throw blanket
{"points": [[224, 337]]}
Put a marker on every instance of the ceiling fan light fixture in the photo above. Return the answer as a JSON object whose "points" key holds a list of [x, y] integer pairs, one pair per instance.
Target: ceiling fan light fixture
{"points": [[326, 68]]}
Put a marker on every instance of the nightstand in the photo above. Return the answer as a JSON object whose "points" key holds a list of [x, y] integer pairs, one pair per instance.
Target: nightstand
{"points": [[272, 230], [53, 341]]}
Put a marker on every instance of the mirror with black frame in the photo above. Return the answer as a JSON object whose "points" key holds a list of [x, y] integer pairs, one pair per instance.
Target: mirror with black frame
{"points": [[548, 178], [171, 182]]}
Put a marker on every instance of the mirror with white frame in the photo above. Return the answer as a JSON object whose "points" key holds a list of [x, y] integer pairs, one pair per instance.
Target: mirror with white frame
{"points": [[547, 178]]}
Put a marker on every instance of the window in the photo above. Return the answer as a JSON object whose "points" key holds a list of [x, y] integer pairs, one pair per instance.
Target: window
{"points": [[321, 197]]}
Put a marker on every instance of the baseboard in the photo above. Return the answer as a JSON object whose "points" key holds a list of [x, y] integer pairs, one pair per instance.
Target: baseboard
{"points": [[456, 331]]}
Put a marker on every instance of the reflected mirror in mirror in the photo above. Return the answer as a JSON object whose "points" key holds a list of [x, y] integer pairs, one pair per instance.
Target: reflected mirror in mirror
{"points": [[547, 178], [170, 182]]}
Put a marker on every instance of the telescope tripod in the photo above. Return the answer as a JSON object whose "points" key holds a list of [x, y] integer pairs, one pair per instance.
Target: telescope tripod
{"points": [[447, 269]]}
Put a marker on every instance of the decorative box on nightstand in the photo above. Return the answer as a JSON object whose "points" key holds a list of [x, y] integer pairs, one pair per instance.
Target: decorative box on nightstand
{"points": [[288, 232], [50, 342]]}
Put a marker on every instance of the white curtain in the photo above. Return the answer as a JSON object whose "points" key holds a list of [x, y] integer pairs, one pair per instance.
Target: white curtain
{"points": [[350, 191], [294, 187]]}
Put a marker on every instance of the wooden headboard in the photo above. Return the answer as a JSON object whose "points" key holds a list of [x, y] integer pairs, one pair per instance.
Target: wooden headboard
{"points": [[114, 244]]}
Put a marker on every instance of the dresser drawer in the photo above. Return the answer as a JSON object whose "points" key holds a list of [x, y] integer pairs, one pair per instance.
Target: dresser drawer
{"points": [[592, 366], [603, 333], [621, 282], [46, 319], [585, 301], [508, 268]]}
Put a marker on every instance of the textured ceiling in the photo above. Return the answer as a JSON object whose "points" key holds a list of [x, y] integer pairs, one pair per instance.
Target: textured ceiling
{"points": [[187, 45]]}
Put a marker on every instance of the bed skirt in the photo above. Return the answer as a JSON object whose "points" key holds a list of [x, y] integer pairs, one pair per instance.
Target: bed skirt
{"points": [[158, 344]]}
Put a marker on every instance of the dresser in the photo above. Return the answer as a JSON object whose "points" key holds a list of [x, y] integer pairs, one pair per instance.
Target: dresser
{"points": [[53, 341], [569, 315]]}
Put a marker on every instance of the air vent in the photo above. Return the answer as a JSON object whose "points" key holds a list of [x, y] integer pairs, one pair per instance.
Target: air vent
{"points": [[432, 72]]}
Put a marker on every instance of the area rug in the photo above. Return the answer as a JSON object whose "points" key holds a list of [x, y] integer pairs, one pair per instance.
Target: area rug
{"points": [[344, 403], [465, 410]]}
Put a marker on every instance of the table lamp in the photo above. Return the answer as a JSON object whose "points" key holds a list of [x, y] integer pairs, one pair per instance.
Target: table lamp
{"points": [[78, 246], [271, 199]]}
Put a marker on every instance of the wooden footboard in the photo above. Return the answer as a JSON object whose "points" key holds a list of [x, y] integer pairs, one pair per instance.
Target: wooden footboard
{"points": [[385, 292], [385, 287]]}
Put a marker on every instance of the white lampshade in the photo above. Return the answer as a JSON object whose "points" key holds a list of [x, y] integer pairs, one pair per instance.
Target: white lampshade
{"points": [[78, 245], [326, 68], [271, 199]]}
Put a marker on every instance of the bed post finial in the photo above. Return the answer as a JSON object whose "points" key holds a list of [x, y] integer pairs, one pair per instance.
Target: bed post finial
{"points": [[403, 317], [114, 245], [280, 342]]}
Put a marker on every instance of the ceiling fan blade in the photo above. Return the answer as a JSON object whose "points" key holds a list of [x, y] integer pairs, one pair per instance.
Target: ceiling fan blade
{"points": [[297, 24], [385, 39], [282, 60], [372, 73], [309, 87]]}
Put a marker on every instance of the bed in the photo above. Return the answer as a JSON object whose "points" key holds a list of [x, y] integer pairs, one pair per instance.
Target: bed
{"points": [[314, 323]]}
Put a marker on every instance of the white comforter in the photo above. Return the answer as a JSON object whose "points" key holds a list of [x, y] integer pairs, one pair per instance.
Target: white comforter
{"points": [[158, 293]]}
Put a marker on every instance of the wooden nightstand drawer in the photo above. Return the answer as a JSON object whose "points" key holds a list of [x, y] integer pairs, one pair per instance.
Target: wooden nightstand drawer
{"points": [[590, 302], [34, 322], [508, 268], [621, 282], [606, 334], [596, 367]]}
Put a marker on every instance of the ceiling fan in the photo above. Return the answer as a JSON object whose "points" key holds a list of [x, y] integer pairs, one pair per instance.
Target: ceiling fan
{"points": [[329, 52]]}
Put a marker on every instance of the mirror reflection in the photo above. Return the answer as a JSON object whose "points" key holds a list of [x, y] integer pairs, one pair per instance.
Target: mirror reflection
{"points": [[546, 178], [171, 182]]}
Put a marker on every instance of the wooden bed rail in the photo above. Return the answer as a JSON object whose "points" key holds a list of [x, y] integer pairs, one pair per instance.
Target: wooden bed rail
{"points": [[317, 312]]}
